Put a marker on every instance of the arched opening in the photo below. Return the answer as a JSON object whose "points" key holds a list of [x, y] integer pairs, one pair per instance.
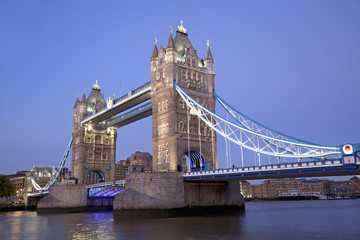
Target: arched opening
{"points": [[95, 177], [196, 160]]}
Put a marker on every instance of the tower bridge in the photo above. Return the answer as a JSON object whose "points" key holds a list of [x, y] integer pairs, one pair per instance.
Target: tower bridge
{"points": [[181, 98]]}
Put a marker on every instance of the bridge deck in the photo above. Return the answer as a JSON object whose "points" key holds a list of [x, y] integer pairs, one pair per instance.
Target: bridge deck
{"points": [[286, 170], [132, 116], [124, 103]]}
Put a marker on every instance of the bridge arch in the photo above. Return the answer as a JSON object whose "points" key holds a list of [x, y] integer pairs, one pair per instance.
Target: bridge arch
{"points": [[196, 160], [95, 176]]}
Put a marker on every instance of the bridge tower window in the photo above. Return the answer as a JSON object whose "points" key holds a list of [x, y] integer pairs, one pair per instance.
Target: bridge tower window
{"points": [[98, 139], [181, 103]]}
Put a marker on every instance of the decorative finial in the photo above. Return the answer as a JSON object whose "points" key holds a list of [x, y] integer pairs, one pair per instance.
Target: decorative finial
{"points": [[170, 29], [77, 95], [155, 41], [96, 86], [181, 28], [208, 43], [84, 90]]}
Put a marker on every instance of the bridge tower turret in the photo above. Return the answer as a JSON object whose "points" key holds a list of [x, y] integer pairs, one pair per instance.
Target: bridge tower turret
{"points": [[179, 137], [94, 145]]}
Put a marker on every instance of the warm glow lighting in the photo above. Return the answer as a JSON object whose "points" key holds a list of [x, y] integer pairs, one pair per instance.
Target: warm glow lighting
{"points": [[348, 149]]}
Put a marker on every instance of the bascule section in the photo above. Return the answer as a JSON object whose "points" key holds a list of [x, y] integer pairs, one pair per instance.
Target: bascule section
{"points": [[181, 142], [94, 144]]}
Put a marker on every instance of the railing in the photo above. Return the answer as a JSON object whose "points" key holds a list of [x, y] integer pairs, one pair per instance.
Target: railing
{"points": [[102, 184], [132, 92], [273, 167]]}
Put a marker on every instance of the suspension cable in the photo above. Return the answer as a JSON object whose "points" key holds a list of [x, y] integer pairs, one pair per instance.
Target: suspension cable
{"points": [[212, 147], [200, 144], [188, 132]]}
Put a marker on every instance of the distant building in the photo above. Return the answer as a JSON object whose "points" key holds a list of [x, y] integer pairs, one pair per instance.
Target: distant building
{"points": [[18, 179], [121, 170], [272, 189], [245, 189], [344, 189], [356, 181], [314, 186], [137, 162]]}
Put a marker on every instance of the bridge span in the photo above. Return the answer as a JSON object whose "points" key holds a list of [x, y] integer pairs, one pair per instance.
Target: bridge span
{"points": [[285, 170]]}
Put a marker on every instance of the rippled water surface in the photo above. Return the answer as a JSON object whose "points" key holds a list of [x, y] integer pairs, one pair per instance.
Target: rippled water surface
{"points": [[261, 220]]}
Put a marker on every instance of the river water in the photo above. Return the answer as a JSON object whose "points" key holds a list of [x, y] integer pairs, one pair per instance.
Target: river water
{"points": [[332, 219]]}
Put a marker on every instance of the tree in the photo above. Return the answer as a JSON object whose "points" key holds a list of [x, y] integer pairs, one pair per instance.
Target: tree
{"points": [[7, 188]]}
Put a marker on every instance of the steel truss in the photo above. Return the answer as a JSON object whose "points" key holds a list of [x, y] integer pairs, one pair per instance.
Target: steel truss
{"points": [[57, 172], [250, 135]]}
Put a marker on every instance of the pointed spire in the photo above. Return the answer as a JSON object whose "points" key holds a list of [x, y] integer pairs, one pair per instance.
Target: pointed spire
{"points": [[77, 100], [155, 51], [181, 28], [83, 99], [95, 86], [208, 52], [170, 41]]}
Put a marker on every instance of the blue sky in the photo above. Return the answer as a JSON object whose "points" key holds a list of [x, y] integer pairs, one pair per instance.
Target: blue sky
{"points": [[292, 65]]}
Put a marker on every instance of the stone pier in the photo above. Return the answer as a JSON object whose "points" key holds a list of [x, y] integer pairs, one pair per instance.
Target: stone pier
{"points": [[167, 195]]}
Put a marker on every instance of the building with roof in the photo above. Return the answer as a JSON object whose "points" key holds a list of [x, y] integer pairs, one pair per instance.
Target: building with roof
{"points": [[173, 132], [94, 147], [18, 179]]}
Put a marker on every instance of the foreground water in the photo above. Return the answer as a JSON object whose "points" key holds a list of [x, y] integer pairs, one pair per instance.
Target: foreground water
{"points": [[337, 219]]}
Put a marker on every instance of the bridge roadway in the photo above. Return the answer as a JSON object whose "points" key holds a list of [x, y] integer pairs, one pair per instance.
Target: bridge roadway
{"points": [[133, 98], [284, 170], [105, 189]]}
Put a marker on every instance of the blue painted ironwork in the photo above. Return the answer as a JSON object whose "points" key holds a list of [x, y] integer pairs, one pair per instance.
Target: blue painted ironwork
{"points": [[299, 169], [252, 140], [197, 159], [57, 172]]}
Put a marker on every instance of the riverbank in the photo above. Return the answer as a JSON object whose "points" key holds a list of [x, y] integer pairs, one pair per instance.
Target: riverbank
{"points": [[12, 207]]}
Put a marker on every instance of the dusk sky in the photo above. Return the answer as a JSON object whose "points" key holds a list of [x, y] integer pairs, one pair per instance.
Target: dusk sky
{"points": [[291, 65]]}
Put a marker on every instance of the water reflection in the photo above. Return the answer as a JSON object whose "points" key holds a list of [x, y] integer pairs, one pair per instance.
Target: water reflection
{"points": [[267, 220], [211, 227]]}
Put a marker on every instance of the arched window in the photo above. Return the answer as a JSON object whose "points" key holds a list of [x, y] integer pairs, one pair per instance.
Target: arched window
{"points": [[98, 139]]}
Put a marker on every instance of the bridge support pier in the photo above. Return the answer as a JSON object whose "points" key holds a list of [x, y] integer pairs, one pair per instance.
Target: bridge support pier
{"points": [[166, 194], [72, 198]]}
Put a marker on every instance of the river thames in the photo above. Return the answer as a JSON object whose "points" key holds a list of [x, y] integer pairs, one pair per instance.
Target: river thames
{"points": [[322, 219]]}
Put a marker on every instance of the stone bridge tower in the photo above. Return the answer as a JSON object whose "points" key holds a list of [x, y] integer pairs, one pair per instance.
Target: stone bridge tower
{"points": [[175, 130], [94, 145]]}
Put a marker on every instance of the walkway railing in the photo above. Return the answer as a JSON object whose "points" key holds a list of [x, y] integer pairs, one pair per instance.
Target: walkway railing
{"points": [[131, 114], [117, 102]]}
